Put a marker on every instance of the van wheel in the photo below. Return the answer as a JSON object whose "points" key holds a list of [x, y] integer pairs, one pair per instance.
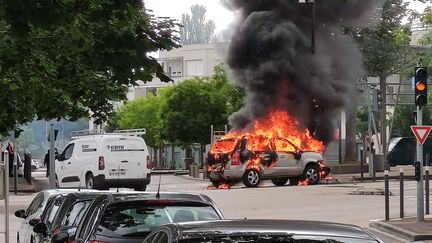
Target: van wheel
{"points": [[140, 188], [251, 178], [311, 173], [279, 181], [89, 181]]}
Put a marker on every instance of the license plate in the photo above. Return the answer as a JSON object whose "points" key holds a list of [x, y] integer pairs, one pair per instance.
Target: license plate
{"points": [[117, 173]]}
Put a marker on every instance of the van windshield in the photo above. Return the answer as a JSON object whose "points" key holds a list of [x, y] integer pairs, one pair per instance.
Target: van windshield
{"points": [[393, 143]]}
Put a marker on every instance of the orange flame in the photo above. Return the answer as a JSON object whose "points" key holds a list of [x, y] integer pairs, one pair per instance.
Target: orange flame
{"points": [[224, 186], [303, 182]]}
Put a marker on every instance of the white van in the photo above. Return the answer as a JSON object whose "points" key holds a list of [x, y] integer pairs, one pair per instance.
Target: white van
{"points": [[103, 161]]}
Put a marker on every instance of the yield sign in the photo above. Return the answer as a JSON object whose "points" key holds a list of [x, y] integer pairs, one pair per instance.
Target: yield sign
{"points": [[421, 133]]}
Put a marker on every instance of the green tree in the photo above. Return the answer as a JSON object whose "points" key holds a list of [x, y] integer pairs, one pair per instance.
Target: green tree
{"points": [[386, 50], [66, 59], [26, 140], [196, 29], [404, 119]]}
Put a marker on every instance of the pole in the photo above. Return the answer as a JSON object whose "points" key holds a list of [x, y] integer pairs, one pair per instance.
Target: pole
{"points": [[401, 176], [386, 188], [340, 138], [6, 197], [383, 117], [427, 189], [420, 198], [52, 180]]}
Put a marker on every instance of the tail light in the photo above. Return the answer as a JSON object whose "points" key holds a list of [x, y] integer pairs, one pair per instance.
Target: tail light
{"points": [[149, 162], [235, 158], [101, 163]]}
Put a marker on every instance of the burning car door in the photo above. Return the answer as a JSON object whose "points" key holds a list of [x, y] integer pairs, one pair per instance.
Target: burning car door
{"points": [[287, 163]]}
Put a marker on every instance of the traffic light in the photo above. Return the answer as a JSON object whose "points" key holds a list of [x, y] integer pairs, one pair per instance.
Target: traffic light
{"points": [[417, 170], [420, 86]]}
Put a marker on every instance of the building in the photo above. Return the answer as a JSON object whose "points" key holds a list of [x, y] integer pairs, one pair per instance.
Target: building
{"points": [[183, 63]]}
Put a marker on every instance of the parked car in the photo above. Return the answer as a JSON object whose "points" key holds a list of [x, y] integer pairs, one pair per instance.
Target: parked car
{"points": [[102, 161], [402, 151], [247, 230], [129, 218], [66, 216], [238, 159], [36, 213]]}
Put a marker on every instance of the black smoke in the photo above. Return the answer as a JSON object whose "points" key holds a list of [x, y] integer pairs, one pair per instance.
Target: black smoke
{"points": [[270, 56]]}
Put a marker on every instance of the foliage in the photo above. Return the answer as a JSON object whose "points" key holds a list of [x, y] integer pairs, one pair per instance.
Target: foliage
{"points": [[71, 58], [26, 141], [143, 113], [404, 118], [196, 30], [386, 46]]}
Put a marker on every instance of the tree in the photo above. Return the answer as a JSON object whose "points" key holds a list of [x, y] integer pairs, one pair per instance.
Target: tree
{"points": [[405, 118], [196, 30], [26, 140], [66, 59], [386, 50], [144, 113]]}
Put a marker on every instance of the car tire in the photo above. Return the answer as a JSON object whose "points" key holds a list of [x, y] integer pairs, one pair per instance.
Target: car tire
{"points": [[311, 173], [140, 188], [89, 182], [279, 181], [57, 184], [215, 183], [33, 168], [251, 178]]}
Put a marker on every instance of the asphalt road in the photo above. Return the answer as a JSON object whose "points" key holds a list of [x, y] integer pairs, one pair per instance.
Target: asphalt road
{"points": [[320, 202]]}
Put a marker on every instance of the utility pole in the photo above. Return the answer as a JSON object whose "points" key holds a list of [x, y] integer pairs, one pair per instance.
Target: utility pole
{"points": [[52, 180], [383, 116]]}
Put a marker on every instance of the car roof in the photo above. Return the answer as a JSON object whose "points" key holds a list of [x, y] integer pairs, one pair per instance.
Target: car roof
{"points": [[298, 227], [66, 191], [133, 196]]}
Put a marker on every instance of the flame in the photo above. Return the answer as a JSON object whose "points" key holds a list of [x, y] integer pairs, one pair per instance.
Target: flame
{"points": [[278, 124], [224, 186], [305, 182]]}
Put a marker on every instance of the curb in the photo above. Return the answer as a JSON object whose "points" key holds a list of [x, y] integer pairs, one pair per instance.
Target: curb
{"points": [[169, 172], [399, 232]]}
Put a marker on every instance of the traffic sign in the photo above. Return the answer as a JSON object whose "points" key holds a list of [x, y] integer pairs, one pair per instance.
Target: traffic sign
{"points": [[421, 133]]}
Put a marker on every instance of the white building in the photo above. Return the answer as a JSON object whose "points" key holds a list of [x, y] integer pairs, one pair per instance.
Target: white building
{"points": [[183, 63]]}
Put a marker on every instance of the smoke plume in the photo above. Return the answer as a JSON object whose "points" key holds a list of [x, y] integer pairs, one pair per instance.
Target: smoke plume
{"points": [[270, 56]]}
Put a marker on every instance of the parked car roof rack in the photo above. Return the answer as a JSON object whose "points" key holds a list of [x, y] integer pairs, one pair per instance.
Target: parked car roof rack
{"points": [[128, 132]]}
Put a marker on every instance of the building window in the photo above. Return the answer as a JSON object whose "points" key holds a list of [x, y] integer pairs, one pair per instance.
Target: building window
{"points": [[194, 68]]}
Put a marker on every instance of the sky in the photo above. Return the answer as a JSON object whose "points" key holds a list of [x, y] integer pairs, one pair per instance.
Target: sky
{"points": [[215, 11]]}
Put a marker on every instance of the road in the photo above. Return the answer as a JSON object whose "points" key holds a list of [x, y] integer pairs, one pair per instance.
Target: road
{"points": [[330, 202]]}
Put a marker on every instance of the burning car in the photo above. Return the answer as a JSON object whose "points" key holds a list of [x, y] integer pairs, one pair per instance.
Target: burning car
{"points": [[275, 148], [251, 159]]}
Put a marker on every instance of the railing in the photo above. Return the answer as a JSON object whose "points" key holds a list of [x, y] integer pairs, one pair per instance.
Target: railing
{"points": [[128, 132]]}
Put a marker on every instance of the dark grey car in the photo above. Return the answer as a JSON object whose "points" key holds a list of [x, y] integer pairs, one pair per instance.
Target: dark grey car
{"points": [[247, 230]]}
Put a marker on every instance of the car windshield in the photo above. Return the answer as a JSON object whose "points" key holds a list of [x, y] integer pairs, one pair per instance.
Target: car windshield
{"points": [[139, 220], [274, 238]]}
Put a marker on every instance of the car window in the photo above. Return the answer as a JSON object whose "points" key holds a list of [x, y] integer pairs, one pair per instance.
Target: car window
{"points": [[36, 204], [75, 213], [125, 220], [283, 145], [223, 146], [86, 224], [52, 211], [159, 237], [256, 143], [67, 153]]}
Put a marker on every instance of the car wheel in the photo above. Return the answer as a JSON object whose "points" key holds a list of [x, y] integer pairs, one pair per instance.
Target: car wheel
{"points": [[311, 173], [18, 238], [33, 168], [90, 181], [279, 181], [392, 164], [215, 183], [251, 178], [140, 188]]}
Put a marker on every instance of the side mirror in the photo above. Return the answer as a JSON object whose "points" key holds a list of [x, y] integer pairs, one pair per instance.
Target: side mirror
{"points": [[41, 228], [61, 237], [34, 222], [20, 214]]}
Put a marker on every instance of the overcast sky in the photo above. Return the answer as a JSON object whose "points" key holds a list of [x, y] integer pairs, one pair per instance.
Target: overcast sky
{"points": [[215, 11]]}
